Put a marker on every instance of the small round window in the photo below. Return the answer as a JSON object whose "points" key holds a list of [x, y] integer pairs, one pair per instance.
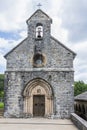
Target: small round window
{"points": [[38, 60]]}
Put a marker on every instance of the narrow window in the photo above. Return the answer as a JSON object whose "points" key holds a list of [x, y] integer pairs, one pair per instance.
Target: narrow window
{"points": [[39, 31]]}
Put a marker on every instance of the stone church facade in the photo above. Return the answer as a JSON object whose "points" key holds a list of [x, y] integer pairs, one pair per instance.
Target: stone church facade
{"points": [[39, 76]]}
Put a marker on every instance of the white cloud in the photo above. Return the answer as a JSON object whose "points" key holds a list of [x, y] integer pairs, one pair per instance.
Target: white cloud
{"points": [[2, 60], [57, 31], [23, 34], [2, 63], [6, 45], [80, 62], [74, 19], [13, 14]]}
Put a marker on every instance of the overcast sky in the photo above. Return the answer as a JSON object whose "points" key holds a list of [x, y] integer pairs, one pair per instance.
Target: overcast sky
{"points": [[69, 26]]}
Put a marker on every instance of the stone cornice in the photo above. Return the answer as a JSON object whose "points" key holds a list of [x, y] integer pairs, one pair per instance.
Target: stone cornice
{"points": [[40, 69]]}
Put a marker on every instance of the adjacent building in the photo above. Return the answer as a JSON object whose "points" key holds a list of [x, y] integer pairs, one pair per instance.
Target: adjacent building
{"points": [[81, 105]]}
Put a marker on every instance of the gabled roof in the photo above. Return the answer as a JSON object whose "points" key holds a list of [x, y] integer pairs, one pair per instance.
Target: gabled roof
{"points": [[51, 38], [41, 12], [63, 46], [81, 97], [14, 48]]}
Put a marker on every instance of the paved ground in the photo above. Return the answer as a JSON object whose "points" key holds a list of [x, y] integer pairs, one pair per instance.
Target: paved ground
{"points": [[36, 124]]}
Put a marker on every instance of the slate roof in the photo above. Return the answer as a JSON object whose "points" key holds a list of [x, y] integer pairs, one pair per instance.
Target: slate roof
{"points": [[81, 97]]}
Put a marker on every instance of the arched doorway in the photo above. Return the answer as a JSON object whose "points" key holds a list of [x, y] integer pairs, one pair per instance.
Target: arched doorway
{"points": [[38, 98]]}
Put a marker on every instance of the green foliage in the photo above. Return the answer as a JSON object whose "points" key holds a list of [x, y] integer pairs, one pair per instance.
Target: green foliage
{"points": [[1, 82], [1, 105], [79, 87], [2, 94], [1, 85]]}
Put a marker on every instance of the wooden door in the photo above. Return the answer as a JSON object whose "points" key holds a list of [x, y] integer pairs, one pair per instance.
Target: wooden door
{"points": [[38, 105]]}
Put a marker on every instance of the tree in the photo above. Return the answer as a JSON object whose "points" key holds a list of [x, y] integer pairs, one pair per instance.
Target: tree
{"points": [[79, 87], [1, 85]]}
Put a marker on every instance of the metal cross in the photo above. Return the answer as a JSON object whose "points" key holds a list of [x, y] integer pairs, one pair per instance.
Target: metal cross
{"points": [[39, 5]]}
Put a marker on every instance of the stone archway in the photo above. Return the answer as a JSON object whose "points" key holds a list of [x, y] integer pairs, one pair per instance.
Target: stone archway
{"points": [[39, 88]]}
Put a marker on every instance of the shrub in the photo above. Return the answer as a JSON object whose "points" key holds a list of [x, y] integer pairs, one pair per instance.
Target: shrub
{"points": [[1, 105]]}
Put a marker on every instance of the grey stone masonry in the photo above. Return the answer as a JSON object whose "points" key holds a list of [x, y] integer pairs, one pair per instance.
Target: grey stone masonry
{"points": [[79, 122], [60, 81], [45, 58]]}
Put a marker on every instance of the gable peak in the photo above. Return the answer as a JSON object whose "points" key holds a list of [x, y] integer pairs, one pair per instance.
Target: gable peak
{"points": [[39, 14]]}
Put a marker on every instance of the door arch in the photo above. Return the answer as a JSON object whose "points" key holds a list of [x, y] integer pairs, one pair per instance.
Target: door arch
{"points": [[39, 88]]}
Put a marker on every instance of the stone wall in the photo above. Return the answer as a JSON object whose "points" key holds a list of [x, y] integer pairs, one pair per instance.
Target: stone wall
{"points": [[57, 69], [79, 122], [56, 56], [61, 83]]}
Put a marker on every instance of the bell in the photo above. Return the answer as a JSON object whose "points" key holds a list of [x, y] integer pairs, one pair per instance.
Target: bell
{"points": [[39, 32]]}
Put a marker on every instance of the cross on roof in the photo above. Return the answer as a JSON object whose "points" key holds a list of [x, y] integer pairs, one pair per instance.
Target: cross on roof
{"points": [[39, 5]]}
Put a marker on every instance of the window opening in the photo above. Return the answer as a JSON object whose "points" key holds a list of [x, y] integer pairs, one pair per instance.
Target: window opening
{"points": [[39, 31]]}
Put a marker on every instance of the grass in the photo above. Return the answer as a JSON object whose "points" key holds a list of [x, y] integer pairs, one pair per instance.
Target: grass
{"points": [[1, 105]]}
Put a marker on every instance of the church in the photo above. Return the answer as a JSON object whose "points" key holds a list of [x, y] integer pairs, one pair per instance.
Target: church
{"points": [[39, 75]]}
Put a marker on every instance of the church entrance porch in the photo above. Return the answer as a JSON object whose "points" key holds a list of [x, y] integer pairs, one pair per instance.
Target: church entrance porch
{"points": [[38, 99], [38, 105]]}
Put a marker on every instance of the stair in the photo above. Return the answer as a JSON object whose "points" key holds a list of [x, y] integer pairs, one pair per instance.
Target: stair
{"points": [[1, 113]]}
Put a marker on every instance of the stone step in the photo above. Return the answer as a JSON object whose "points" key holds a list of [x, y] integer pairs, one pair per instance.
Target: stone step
{"points": [[1, 113], [1, 116]]}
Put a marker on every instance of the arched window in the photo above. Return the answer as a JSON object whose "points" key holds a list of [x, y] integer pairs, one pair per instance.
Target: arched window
{"points": [[39, 31]]}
